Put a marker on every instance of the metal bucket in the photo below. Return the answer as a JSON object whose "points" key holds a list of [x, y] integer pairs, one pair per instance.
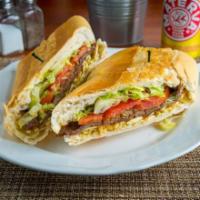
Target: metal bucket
{"points": [[119, 22]]}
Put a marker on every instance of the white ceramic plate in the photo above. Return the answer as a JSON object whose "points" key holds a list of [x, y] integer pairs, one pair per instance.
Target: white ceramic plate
{"points": [[136, 150]]}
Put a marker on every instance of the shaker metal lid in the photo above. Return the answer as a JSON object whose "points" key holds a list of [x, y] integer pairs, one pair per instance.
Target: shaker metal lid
{"points": [[6, 4], [26, 1]]}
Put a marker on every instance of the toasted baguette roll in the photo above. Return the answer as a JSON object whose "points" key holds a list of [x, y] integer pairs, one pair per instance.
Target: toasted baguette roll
{"points": [[164, 78], [69, 53]]}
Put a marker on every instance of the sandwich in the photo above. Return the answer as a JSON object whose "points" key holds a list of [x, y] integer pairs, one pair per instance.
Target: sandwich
{"points": [[133, 88], [47, 74]]}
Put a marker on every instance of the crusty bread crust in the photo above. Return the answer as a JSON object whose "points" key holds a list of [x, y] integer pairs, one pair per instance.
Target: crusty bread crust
{"points": [[49, 50], [187, 70], [33, 138], [64, 40], [131, 67]]}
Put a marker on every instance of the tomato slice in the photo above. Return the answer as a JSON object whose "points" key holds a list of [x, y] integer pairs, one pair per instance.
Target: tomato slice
{"points": [[80, 53], [64, 74], [90, 119], [60, 78], [121, 107], [52, 87], [114, 110], [151, 102], [136, 104], [48, 98], [82, 50]]}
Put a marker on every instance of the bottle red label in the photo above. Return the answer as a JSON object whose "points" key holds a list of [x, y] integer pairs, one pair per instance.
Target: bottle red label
{"points": [[181, 19]]}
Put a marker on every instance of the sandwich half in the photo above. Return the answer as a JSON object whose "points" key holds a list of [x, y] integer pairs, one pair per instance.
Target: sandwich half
{"points": [[133, 88], [47, 74]]}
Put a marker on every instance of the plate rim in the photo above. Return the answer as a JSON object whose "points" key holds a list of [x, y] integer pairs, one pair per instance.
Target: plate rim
{"points": [[54, 171], [92, 172]]}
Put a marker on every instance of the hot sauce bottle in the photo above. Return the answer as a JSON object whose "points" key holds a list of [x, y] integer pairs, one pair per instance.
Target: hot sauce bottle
{"points": [[181, 26]]}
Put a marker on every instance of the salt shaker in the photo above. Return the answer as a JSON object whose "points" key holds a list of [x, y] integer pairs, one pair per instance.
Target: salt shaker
{"points": [[33, 19], [11, 29]]}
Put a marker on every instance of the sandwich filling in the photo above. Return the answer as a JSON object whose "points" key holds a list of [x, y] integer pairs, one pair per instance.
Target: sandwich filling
{"points": [[122, 106], [55, 83]]}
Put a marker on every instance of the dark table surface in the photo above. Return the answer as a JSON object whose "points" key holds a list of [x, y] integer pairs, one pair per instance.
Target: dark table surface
{"points": [[179, 179]]}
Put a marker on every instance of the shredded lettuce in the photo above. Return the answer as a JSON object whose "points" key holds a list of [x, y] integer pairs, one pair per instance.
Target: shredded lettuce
{"points": [[134, 92], [99, 50], [110, 99], [156, 90], [87, 64], [166, 124], [39, 90], [82, 74], [109, 95], [38, 107], [25, 119], [83, 113], [35, 96], [47, 107], [106, 101], [35, 109], [42, 87], [50, 77]]}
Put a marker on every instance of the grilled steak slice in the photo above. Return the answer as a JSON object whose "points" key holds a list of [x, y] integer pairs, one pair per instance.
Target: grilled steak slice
{"points": [[74, 73], [130, 114], [36, 122], [74, 128], [32, 124]]}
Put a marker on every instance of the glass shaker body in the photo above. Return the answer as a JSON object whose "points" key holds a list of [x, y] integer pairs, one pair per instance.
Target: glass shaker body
{"points": [[11, 29], [33, 19]]}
